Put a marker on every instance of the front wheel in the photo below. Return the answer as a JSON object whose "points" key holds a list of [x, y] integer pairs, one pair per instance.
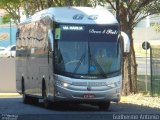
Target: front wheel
{"points": [[46, 103], [104, 106], [25, 98]]}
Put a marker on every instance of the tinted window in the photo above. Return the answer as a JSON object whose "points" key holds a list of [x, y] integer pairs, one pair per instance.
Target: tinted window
{"points": [[13, 48], [88, 50]]}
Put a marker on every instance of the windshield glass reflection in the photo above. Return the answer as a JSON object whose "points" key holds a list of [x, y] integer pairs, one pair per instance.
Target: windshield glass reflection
{"points": [[87, 57]]}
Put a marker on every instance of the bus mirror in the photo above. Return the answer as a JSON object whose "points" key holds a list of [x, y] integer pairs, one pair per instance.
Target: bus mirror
{"points": [[126, 42]]}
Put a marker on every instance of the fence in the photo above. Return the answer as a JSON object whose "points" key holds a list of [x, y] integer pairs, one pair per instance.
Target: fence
{"points": [[148, 75], [155, 70]]}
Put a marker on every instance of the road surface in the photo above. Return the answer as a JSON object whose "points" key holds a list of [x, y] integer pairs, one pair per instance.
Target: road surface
{"points": [[14, 108]]}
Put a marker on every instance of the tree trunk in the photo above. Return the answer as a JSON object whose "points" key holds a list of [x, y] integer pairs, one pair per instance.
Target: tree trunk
{"points": [[41, 4], [69, 3], [133, 68], [129, 85], [130, 67], [49, 3], [126, 89]]}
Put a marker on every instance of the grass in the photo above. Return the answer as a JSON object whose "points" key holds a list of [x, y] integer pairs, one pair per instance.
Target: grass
{"points": [[141, 85], [142, 100]]}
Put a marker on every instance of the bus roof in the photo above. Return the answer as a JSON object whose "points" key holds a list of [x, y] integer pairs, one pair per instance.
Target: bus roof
{"points": [[78, 15]]}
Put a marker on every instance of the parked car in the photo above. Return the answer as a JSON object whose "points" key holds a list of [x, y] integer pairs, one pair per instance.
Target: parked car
{"points": [[10, 51], [2, 48]]}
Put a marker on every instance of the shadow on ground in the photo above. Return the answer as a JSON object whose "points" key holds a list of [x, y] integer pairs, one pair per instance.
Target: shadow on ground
{"points": [[15, 103]]}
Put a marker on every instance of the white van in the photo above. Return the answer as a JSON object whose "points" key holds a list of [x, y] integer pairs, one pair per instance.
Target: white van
{"points": [[10, 51]]}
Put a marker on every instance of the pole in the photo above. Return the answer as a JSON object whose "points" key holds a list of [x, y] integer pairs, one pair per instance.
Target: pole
{"points": [[151, 71], [10, 36], [146, 69], [27, 13]]}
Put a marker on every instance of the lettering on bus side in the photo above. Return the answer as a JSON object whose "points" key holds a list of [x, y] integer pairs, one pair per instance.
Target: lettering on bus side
{"points": [[93, 17], [108, 32], [89, 83]]}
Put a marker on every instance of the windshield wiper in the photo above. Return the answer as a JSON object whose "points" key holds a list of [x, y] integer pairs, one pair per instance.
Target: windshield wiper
{"points": [[99, 68], [96, 62], [79, 63]]}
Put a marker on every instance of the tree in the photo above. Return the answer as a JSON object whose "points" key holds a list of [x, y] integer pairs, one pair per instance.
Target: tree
{"points": [[6, 18], [131, 12], [156, 27], [31, 6], [12, 8]]}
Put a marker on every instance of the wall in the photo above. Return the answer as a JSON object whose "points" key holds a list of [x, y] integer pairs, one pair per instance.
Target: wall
{"points": [[142, 34], [7, 75]]}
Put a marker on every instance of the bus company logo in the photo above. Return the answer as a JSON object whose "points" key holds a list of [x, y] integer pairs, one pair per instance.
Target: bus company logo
{"points": [[78, 17], [93, 17], [89, 88]]}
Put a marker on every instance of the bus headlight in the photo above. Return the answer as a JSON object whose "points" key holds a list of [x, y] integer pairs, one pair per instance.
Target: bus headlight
{"points": [[115, 84], [111, 85], [63, 84]]}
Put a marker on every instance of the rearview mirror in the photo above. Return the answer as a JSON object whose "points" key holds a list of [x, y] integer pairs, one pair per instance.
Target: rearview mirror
{"points": [[126, 42]]}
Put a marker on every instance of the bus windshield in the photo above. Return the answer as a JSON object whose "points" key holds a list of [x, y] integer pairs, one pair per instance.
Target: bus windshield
{"points": [[87, 51]]}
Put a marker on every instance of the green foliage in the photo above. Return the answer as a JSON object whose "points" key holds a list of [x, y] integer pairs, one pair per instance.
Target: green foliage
{"points": [[156, 27], [11, 7], [6, 18], [134, 8]]}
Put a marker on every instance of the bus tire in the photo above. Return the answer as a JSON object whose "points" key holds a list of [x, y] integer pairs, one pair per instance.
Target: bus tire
{"points": [[44, 95], [25, 98], [104, 106]]}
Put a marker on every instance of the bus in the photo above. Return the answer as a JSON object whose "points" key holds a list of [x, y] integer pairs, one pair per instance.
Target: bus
{"points": [[70, 54]]}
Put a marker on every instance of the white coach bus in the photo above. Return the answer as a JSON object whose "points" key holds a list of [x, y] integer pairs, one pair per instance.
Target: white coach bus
{"points": [[70, 54]]}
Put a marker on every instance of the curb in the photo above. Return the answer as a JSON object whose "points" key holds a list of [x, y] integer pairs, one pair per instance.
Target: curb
{"points": [[9, 94]]}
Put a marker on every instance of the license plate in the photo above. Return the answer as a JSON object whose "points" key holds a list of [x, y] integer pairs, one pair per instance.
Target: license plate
{"points": [[88, 96]]}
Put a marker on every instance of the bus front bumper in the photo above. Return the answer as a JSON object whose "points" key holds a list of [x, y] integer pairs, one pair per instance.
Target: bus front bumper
{"points": [[65, 94]]}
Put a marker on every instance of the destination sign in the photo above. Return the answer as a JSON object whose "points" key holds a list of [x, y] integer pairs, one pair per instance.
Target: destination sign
{"points": [[72, 28]]}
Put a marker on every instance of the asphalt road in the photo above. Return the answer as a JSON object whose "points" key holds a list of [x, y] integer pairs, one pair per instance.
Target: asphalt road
{"points": [[14, 109]]}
